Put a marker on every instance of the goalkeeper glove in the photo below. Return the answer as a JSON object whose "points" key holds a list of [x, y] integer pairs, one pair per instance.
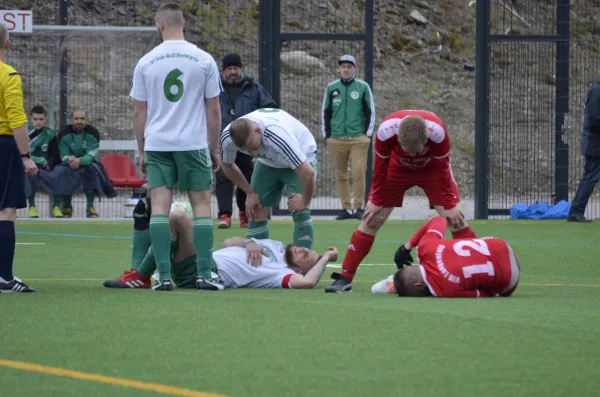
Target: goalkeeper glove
{"points": [[402, 257]]}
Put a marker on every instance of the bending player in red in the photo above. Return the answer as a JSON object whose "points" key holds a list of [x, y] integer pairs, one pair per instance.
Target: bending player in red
{"points": [[466, 268], [412, 149]]}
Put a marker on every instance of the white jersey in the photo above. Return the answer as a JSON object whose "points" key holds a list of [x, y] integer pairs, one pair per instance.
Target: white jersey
{"points": [[236, 272], [286, 143], [174, 79]]}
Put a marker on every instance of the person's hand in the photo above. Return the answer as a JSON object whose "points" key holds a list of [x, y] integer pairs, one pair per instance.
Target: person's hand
{"points": [[75, 163], [296, 203], [372, 212], [402, 257], [46, 166], [252, 205], [141, 166], [254, 254], [332, 254], [30, 167], [216, 162], [455, 217]]}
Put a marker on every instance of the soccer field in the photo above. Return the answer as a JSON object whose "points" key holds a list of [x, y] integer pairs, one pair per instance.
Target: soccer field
{"points": [[73, 337]]}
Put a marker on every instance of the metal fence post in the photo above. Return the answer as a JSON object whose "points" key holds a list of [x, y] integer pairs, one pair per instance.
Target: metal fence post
{"points": [[561, 175], [369, 81], [482, 81]]}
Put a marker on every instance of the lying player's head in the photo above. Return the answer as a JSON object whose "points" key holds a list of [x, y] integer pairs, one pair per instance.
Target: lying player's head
{"points": [[408, 281], [169, 17], [4, 37], [413, 134], [38, 116], [300, 259], [246, 135]]}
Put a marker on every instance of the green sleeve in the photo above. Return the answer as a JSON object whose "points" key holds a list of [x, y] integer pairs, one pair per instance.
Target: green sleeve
{"points": [[63, 148], [93, 148], [38, 160]]}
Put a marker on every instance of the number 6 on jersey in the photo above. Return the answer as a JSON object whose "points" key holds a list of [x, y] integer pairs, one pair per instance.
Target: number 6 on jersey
{"points": [[172, 83]]}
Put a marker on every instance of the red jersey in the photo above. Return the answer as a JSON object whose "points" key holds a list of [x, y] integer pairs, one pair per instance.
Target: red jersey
{"points": [[435, 155], [466, 268]]}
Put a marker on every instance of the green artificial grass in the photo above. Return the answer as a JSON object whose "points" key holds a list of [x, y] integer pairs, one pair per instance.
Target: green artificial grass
{"points": [[543, 341]]}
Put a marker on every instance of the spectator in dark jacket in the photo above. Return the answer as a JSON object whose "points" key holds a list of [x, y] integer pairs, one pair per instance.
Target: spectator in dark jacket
{"points": [[590, 148], [241, 95]]}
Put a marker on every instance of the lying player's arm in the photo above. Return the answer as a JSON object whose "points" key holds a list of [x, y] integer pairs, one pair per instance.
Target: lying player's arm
{"points": [[233, 173], [306, 176], [140, 115], [435, 229], [237, 242], [313, 276]]}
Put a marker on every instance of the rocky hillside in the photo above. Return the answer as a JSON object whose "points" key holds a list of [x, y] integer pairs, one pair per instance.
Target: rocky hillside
{"points": [[421, 48]]}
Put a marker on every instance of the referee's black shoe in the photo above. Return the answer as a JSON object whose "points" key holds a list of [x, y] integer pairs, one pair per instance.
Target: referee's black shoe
{"points": [[14, 285]]}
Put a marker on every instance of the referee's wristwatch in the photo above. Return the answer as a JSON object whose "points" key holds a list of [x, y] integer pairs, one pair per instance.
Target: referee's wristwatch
{"points": [[26, 156]]}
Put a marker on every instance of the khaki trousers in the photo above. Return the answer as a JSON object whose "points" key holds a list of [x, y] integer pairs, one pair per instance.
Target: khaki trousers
{"points": [[354, 150]]}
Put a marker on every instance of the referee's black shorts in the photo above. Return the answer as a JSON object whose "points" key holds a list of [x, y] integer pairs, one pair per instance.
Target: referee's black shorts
{"points": [[12, 174]]}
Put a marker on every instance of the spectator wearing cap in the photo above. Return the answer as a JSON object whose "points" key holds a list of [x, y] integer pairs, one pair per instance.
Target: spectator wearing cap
{"points": [[241, 95], [348, 120]]}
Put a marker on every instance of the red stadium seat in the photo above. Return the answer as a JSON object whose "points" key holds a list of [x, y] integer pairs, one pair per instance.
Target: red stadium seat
{"points": [[121, 171]]}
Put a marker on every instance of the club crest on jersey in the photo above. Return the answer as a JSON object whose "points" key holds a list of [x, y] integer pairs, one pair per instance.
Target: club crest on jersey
{"points": [[45, 147], [354, 95], [269, 252]]}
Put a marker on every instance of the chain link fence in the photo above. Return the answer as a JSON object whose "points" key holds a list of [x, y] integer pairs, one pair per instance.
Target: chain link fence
{"points": [[529, 158]]}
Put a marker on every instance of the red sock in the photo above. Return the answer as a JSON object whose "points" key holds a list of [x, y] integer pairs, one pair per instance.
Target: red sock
{"points": [[359, 247], [467, 232]]}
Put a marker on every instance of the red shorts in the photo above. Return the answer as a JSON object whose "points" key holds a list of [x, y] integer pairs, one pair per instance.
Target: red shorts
{"points": [[441, 190]]}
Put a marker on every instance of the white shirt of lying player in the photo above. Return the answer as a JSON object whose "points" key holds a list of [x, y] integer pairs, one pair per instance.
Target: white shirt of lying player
{"points": [[236, 272], [286, 143], [174, 79]]}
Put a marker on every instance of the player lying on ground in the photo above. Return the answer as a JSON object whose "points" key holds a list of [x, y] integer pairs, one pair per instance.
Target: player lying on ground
{"points": [[470, 267], [243, 263], [286, 154], [412, 149]]}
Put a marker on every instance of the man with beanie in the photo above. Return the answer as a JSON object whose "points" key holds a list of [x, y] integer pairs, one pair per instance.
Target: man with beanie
{"points": [[348, 120], [241, 95]]}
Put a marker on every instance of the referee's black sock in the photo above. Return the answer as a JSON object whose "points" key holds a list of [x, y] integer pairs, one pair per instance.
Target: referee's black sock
{"points": [[7, 249]]}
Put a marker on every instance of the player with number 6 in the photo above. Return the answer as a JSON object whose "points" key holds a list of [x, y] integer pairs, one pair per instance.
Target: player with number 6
{"points": [[458, 268], [177, 122]]}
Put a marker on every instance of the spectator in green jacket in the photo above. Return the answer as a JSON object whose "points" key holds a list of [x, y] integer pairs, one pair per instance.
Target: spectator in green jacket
{"points": [[78, 144], [348, 122], [44, 153]]}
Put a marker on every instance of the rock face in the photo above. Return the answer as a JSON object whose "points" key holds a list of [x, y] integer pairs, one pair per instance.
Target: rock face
{"points": [[420, 51]]}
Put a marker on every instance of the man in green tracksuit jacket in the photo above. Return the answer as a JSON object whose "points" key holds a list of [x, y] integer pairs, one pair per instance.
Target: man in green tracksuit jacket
{"points": [[348, 122], [79, 145], [44, 153]]}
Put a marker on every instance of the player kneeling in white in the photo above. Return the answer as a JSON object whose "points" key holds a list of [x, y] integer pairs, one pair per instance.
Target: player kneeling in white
{"points": [[242, 263]]}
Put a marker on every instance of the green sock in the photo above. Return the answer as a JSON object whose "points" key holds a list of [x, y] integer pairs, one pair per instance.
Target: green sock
{"points": [[203, 242], [140, 245], [67, 201], [258, 230], [89, 198], [303, 229], [160, 234], [173, 245], [31, 200], [57, 201], [148, 265]]}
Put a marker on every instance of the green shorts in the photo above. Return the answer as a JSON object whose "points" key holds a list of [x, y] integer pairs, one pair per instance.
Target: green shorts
{"points": [[268, 182], [188, 170], [184, 273]]}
